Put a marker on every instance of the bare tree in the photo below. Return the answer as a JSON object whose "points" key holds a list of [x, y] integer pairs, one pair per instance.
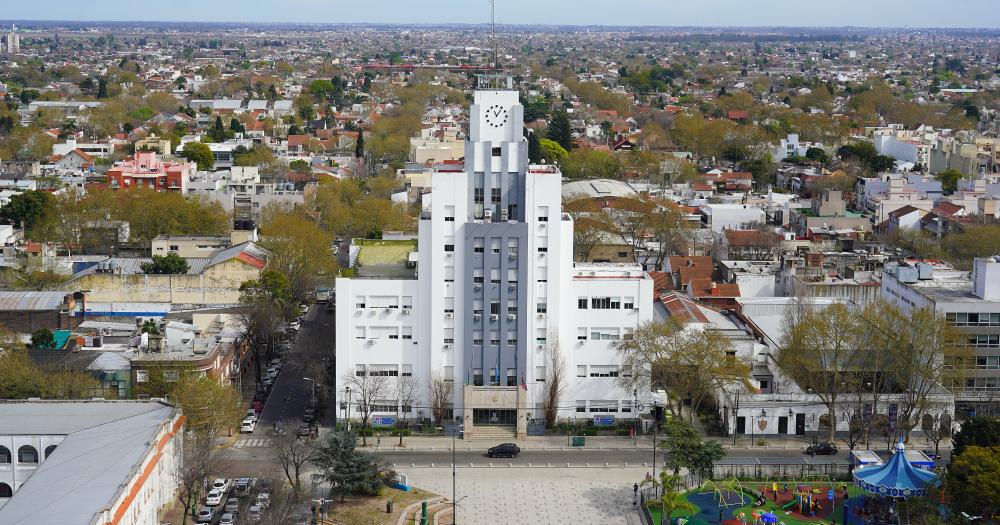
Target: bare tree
{"points": [[368, 389], [406, 394], [200, 459], [820, 354], [441, 396], [937, 428], [927, 347], [293, 453], [555, 373]]}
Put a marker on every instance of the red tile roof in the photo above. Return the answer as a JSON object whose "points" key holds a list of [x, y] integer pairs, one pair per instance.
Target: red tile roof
{"points": [[747, 237], [682, 309], [708, 288], [687, 268]]}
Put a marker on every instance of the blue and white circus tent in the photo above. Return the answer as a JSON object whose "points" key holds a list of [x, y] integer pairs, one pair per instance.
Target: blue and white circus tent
{"points": [[897, 479]]}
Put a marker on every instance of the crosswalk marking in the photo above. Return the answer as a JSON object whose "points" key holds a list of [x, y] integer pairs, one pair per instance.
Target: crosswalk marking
{"points": [[252, 443]]}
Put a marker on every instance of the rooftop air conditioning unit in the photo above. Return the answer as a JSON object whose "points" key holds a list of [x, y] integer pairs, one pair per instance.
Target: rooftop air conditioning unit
{"points": [[406, 311], [371, 342], [503, 215], [511, 317], [478, 286], [449, 315], [447, 347], [476, 317], [541, 316], [541, 347], [494, 317], [488, 214]]}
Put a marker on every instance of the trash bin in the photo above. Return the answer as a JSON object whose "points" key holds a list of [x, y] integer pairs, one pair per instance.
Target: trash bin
{"points": [[388, 507]]}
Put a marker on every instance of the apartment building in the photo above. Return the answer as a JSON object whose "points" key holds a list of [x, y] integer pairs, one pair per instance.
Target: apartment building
{"points": [[144, 169], [490, 291], [970, 301]]}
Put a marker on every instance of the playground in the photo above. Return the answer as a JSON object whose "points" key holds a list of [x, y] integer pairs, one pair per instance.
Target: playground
{"points": [[779, 501]]}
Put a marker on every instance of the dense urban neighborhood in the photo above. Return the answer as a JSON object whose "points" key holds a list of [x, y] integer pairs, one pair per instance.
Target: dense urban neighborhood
{"points": [[488, 274]]}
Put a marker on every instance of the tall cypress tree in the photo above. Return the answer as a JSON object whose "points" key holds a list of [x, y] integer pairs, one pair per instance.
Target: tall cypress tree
{"points": [[559, 129], [359, 146], [102, 88], [534, 148]]}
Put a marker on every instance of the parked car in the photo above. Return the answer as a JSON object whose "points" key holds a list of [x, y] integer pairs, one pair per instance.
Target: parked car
{"points": [[228, 519], [248, 426], [206, 515], [264, 499], [509, 450], [275, 363], [821, 449], [232, 505], [254, 512], [251, 414], [295, 325], [304, 430], [242, 486], [214, 498], [304, 309], [221, 484]]}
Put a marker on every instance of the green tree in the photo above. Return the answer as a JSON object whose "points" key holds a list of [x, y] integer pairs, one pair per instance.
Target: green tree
{"points": [[218, 131], [359, 145], [551, 151], [949, 179], [979, 431], [300, 166], [200, 154], [672, 499], [43, 338], [590, 164], [102, 88], [817, 155], [534, 148], [170, 264], [973, 480], [299, 248], [882, 163], [27, 209], [684, 448], [559, 130], [236, 126], [349, 470], [209, 406]]}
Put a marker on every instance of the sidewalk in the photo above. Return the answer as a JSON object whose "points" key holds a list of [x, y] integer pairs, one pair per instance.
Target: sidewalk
{"points": [[555, 442]]}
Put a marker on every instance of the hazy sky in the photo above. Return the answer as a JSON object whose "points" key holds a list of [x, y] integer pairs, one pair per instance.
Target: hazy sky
{"points": [[894, 13]]}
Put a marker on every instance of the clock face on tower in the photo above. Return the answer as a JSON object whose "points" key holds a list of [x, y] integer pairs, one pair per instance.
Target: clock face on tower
{"points": [[496, 116]]}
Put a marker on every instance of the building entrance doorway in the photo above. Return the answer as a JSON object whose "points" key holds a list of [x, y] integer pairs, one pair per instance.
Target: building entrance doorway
{"points": [[489, 416]]}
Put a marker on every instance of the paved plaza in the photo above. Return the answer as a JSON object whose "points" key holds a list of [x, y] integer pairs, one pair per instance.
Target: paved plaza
{"points": [[501, 495]]}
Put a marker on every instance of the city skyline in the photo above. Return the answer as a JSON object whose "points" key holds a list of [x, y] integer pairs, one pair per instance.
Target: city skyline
{"points": [[710, 13]]}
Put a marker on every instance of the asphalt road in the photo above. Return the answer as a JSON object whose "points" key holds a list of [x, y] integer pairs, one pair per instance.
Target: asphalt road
{"points": [[290, 392], [535, 457]]}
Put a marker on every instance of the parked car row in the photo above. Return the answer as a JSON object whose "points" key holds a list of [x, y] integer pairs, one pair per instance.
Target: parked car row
{"points": [[224, 497], [252, 415]]}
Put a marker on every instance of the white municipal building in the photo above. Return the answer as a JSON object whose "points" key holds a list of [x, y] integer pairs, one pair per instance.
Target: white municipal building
{"points": [[491, 289]]}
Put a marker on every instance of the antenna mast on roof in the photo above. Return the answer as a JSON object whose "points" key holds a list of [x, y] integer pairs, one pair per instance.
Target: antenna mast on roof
{"points": [[493, 29]]}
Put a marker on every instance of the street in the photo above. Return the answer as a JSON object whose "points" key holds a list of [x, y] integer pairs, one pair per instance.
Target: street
{"points": [[290, 392]]}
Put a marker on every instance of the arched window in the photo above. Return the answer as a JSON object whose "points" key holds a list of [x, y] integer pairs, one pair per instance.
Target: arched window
{"points": [[48, 450], [4, 455], [27, 454], [6, 491]]}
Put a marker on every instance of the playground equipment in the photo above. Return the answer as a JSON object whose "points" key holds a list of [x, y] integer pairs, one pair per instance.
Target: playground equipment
{"points": [[729, 492]]}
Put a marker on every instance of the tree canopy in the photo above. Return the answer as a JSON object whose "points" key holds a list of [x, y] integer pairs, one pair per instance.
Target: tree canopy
{"points": [[171, 264]]}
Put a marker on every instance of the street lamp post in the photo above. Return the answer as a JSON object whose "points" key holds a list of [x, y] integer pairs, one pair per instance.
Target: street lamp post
{"points": [[348, 409], [736, 413]]}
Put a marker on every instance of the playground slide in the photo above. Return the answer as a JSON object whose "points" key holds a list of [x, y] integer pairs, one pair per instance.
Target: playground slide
{"points": [[789, 505]]}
